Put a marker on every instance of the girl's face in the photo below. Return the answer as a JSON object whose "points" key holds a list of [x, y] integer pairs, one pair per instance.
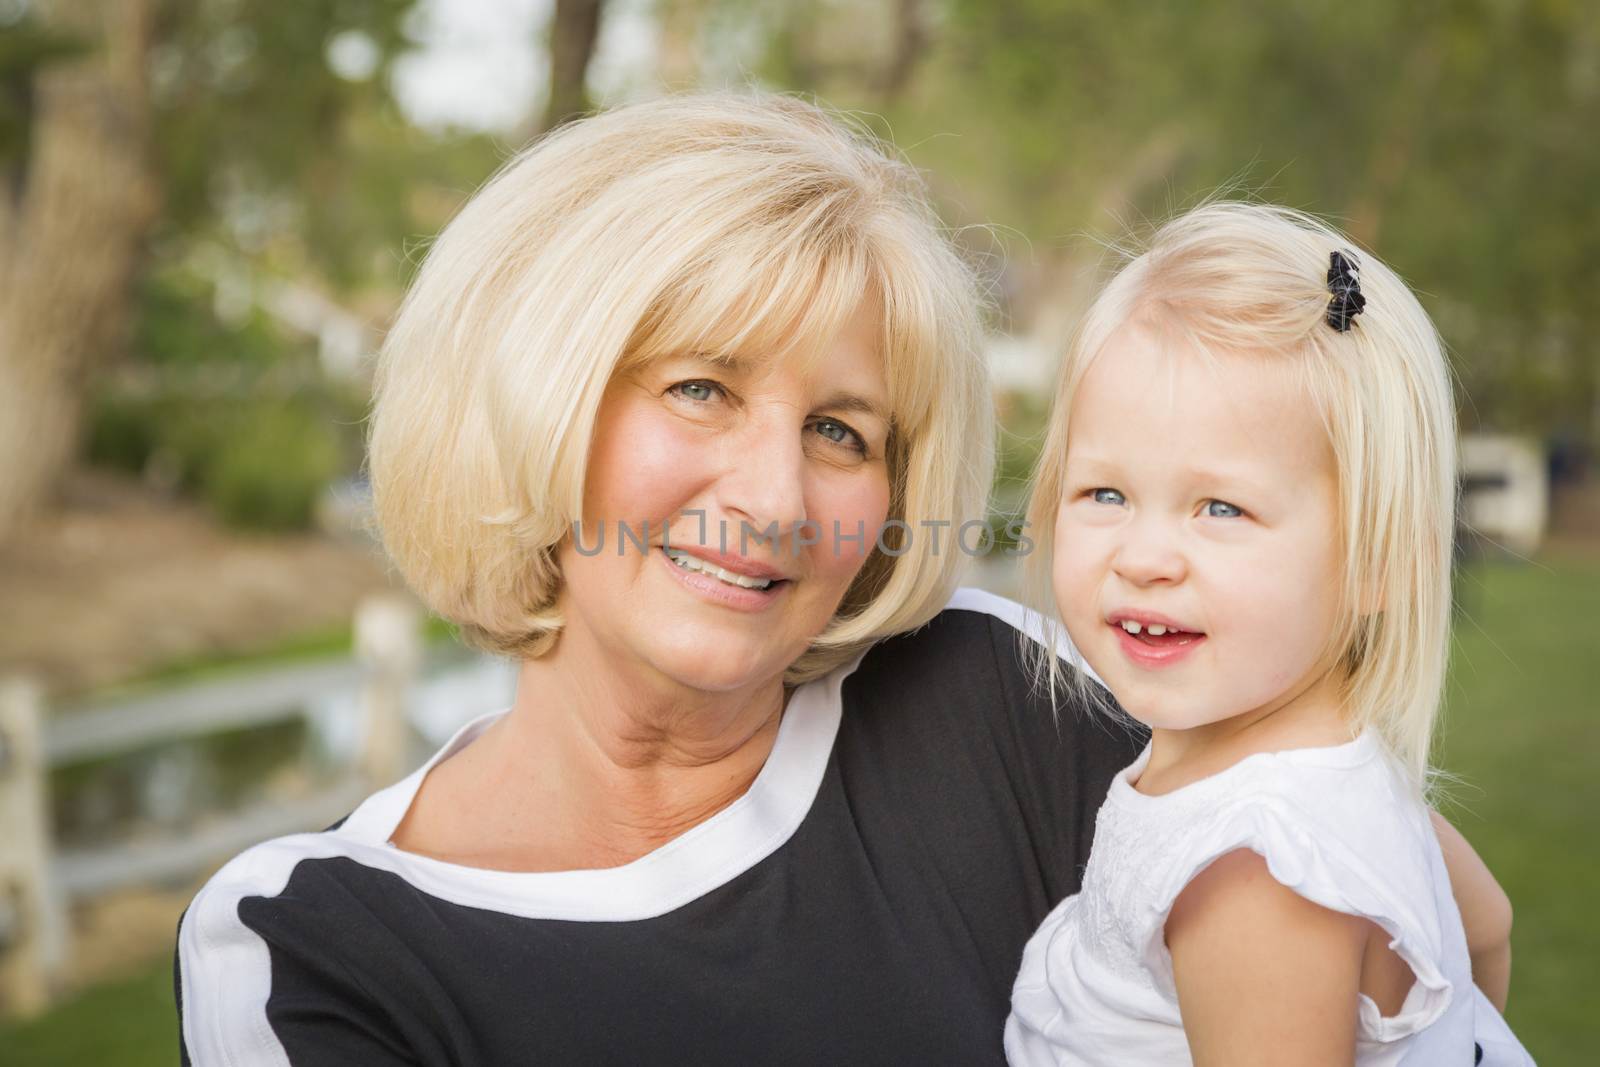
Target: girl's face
{"points": [[1196, 546], [754, 464]]}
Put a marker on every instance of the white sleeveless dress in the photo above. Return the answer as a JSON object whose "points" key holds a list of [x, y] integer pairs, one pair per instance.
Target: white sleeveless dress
{"points": [[1337, 825]]}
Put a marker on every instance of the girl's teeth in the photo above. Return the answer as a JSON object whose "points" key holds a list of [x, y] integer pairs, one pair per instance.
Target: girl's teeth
{"points": [[692, 563], [1155, 629]]}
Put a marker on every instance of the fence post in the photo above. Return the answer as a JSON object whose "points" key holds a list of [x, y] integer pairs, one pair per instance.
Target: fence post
{"points": [[389, 645], [33, 918]]}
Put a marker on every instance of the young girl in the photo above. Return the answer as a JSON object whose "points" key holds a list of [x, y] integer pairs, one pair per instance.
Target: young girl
{"points": [[1248, 488]]}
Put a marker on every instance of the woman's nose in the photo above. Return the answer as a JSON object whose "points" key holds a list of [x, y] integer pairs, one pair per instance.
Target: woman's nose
{"points": [[763, 484], [1150, 553]]}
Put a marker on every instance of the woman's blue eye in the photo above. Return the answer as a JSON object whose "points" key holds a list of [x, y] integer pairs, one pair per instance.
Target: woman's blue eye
{"points": [[1108, 496], [697, 391], [1221, 509], [840, 434]]}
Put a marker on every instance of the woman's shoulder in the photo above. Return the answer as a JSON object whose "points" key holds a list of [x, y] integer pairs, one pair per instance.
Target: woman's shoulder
{"points": [[306, 873], [968, 677], [282, 905], [976, 633]]}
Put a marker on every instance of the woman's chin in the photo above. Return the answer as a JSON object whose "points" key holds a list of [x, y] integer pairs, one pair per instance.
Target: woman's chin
{"points": [[721, 667]]}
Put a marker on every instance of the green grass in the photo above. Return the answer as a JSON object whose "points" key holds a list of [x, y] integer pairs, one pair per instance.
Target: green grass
{"points": [[1522, 728], [1522, 732], [131, 1023]]}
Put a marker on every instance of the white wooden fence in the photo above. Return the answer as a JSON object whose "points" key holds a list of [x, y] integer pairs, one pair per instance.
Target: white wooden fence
{"points": [[39, 882]]}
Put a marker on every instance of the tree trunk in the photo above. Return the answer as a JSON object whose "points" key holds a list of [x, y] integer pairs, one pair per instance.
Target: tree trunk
{"points": [[70, 242], [911, 40], [574, 29]]}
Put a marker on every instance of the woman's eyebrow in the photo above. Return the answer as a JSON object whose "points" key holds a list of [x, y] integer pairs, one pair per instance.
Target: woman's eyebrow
{"points": [[839, 400], [728, 361], [842, 401]]}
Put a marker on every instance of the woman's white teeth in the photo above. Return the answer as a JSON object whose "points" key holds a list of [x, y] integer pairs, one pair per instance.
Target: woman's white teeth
{"points": [[694, 563]]}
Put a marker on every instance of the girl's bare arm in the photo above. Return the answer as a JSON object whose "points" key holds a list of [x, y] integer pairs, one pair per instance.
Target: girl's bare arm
{"points": [[1485, 912], [1264, 976]]}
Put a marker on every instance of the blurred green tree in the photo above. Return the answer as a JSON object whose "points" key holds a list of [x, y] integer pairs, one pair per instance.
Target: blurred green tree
{"points": [[211, 147], [1456, 138]]}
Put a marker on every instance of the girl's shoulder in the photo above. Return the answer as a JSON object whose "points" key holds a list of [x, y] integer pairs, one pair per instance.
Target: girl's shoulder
{"points": [[1340, 825]]}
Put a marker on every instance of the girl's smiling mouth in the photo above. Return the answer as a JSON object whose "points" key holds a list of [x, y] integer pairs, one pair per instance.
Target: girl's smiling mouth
{"points": [[1151, 640]]}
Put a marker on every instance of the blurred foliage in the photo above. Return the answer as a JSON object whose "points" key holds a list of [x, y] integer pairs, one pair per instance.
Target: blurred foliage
{"points": [[260, 143], [264, 147], [237, 414], [261, 461], [1456, 138], [272, 468], [273, 167]]}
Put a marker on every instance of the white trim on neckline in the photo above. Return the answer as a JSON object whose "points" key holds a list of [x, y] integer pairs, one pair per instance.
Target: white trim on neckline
{"points": [[685, 868], [1354, 752]]}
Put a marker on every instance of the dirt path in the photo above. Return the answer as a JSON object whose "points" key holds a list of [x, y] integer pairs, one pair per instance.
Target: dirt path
{"points": [[122, 581]]}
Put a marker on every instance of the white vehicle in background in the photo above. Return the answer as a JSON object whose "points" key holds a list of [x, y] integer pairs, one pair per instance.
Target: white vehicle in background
{"points": [[1505, 493]]}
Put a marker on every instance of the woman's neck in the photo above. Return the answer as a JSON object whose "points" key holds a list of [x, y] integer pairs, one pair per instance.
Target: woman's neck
{"points": [[592, 768], [636, 763]]}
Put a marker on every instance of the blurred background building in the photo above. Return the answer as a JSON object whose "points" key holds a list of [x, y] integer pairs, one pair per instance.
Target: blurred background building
{"points": [[210, 208]]}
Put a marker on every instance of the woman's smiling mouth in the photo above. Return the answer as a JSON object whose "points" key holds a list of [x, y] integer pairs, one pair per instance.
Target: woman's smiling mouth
{"points": [[758, 587]]}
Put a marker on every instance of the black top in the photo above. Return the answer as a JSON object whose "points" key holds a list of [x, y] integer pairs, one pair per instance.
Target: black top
{"points": [[866, 902]]}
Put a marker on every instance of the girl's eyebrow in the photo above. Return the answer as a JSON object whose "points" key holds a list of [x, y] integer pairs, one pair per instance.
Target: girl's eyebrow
{"points": [[1230, 479], [1077, 459], [1093, 466]]}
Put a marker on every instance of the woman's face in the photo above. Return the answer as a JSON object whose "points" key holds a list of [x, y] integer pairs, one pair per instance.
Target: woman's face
{"points": [[734, 478]]}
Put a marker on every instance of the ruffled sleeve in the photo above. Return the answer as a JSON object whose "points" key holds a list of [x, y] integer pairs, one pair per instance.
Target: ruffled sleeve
{"points": [[1371, 870]]}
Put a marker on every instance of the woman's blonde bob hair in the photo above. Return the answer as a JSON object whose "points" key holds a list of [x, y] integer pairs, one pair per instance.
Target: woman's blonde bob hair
{"points": [[1250, 278], [718, 224]]}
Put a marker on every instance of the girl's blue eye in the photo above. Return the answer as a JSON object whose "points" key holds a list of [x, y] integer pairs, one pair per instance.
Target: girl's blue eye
{"points": [[1108, 496], [1221, 509]]}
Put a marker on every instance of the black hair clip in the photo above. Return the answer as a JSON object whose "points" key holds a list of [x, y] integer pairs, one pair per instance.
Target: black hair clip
{"points": [[1347, 300]]}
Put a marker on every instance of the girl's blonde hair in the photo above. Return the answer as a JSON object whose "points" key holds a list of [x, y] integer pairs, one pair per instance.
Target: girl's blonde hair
{"points": [[1245, 277], [718, 224]]}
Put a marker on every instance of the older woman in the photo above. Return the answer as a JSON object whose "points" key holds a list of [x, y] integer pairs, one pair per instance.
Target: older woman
{"points": [[684, 412]]}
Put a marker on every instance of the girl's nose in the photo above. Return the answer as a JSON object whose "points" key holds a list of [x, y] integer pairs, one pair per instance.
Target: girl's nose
{"points": [[1150, 554]]}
